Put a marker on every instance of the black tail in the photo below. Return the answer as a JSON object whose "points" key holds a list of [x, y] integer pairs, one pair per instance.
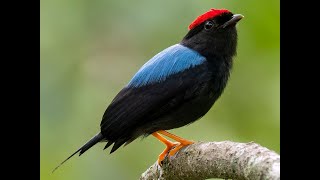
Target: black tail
{"points": [[97, 138]]}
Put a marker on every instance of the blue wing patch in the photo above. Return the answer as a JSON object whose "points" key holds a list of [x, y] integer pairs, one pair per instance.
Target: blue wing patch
{"points": [[170, 61]]}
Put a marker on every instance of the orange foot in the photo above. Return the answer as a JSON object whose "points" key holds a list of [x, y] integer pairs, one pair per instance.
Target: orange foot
{"points": [[177, 145], [169, 145]]}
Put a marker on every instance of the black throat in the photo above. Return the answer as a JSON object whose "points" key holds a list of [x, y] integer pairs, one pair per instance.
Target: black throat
{"points": [[217, 46], [218, 49]]}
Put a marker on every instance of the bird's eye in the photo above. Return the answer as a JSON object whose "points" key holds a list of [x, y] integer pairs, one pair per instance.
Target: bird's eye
{"points": [[208, 25]]}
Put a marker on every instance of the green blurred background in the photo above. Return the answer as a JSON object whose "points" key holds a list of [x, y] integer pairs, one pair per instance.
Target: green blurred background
{"points": [[91, 48]]}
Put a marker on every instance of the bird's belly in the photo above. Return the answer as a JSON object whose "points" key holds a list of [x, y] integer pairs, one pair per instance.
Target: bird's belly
{"points": [[187, 113], [184, 114]]}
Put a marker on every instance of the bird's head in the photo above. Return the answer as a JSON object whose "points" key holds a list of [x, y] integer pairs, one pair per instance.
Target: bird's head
{"points": [[213, 33]]}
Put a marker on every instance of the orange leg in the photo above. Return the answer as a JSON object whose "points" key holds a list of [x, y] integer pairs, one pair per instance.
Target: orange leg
{"points": [[168, 143], [183, 142]]}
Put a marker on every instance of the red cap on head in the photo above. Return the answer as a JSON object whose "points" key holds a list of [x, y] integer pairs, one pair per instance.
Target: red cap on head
{"points": [[207, 15]]}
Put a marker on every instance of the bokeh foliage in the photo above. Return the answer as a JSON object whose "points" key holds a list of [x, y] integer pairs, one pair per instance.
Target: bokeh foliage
{"points": [[91, 48]]}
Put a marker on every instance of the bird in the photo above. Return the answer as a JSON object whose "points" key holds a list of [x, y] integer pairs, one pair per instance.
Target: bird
{"points": [[175, 88]]}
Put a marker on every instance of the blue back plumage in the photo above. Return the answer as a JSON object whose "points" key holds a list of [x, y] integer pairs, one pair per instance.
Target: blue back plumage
{"points": [[170, 61]]}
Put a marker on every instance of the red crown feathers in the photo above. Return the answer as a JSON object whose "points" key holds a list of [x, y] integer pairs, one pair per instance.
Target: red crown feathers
{"points": [[207, 15]]}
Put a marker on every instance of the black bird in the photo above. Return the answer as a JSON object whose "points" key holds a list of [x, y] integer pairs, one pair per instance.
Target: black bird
{"points": [[174, 88]]}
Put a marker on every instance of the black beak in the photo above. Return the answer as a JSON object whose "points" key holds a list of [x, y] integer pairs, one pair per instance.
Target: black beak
{"points": [[235, 18]]}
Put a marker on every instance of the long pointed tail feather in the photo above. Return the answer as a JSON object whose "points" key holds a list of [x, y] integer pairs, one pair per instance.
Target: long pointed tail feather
{"points": [[97, 138]]}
